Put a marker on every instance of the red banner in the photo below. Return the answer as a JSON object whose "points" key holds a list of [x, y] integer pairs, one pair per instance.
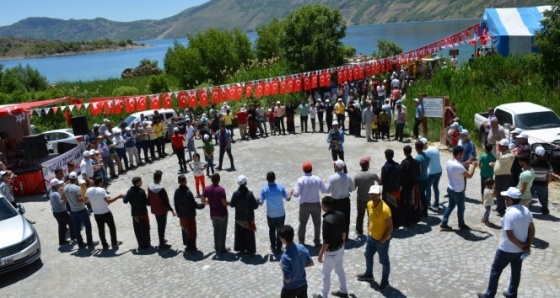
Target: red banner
{"points": [[203, 95], [182, 99], [167, 103], [130, 105], [154, 102]]}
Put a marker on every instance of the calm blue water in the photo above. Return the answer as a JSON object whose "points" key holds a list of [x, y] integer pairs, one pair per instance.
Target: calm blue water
{"points": [[364, 38]]}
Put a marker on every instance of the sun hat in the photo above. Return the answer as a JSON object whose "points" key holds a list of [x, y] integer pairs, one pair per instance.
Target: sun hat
{"points": [[175, 129], [517, 130], [375, 189], [56, 182], [504, 142], [540, 151], [241, 180], [424, 141], [512, 192], [73, 176], [522, 135], [464, 132], [86, 153], [335, 123]]}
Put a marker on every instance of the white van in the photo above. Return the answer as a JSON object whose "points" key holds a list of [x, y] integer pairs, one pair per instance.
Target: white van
{"points": [[166, 114]]}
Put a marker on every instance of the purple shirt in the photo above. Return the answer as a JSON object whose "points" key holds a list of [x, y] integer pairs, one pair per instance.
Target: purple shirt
{"points": [[307, 188], [215, 194]]}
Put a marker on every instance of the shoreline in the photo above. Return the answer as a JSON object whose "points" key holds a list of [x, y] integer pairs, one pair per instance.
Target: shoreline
{"points": [[127, 48]]}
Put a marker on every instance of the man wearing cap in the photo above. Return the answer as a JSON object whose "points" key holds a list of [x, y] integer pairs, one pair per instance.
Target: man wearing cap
{"points": [[456, 174], [340, 110], [502, 173], [79, 212], [379, 238], [331, 254], [308, 189], [340, 186], [335, 139], [522, 148], [224, 143], [215, 196], [119, 141], [363, 180], [105, 152], [488, 125], [245, 204], [100, 201], [60, 213], [367, 118], [418, 116], [177, 140], [494, 133], [130, 147], [86, 168], [142, 139], [274, 195], [518, 233], [105, 127], [543, 176], [113, 152], [279, 112], [434, 172]]}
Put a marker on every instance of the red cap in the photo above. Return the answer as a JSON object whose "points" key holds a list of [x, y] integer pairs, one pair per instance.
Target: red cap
{"points": [[307, 166], [365, 161]]}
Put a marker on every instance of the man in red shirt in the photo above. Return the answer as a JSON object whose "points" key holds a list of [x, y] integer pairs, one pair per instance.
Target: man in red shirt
{"points": [[178, 147], [242, 117]]}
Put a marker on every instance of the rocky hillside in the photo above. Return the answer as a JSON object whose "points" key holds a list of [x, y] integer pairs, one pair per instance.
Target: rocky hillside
{"points": [[249, 14]]}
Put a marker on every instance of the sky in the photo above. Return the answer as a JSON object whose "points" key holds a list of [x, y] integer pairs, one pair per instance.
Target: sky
{"points": [[12, 11]]}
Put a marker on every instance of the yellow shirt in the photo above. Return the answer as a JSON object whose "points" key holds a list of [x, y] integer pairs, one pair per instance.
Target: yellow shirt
{"points": [[158, 129], [377, 217], [340, 108], [228, 119]]}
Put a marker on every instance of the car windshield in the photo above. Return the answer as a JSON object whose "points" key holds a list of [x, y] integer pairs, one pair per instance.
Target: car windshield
{"points": [[6, 210], [540, 120], [129, 120]]}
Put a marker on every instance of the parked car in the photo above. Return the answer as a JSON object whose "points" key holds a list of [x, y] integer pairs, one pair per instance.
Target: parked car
{"points": [[19, 243], [540, 123], [60, 135], [167, 114]]}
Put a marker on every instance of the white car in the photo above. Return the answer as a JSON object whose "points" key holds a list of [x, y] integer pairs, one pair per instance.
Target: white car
{"points": [[19, 244], [60, 135], [166, 114]]}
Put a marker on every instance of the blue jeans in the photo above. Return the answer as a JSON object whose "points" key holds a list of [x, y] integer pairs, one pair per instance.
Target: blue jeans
{"points": [[542, 194], [79, 218], [501, 260], [275, 223], [423, 186], [433, 181], [210, 162], [373, 246], [455, 198]]}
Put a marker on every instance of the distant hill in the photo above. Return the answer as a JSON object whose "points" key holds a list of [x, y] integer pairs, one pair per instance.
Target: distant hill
{"points": [[249, 14]]}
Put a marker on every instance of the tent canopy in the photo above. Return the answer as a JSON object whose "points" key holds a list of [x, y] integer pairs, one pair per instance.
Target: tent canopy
{"points": [[18, 108], [512, 30]]}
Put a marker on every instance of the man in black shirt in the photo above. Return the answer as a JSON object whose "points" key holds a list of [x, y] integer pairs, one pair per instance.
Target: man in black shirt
{"points": [[138, 200], [186, 206], [332, 251]]}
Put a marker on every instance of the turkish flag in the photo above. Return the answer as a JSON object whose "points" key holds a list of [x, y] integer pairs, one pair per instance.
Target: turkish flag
{"points": [[341, 76], [203, 97], [369, 73], [267, 88], [118, 106], [141, 103], [233, 92], [167, 102], [182, 99], [238, 92], [357, 74], [328, 76], [259, 92], [275, 87], [248, 90], [224, 94], [192, 98], [297, 83], [96, 107], [283, 87], [388, 65], [108, 107], [289, 85], [130, 105], [322, 80], [154, 102], [349, 74], [314, 81], [306, 83], [216, 92]]}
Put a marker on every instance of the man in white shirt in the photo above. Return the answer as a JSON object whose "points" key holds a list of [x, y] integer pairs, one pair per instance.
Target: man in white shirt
{"points": [[456, 174], [119, 141], [86, 168], [340, 186], [190, 130], [518, 233], [100, 201]]}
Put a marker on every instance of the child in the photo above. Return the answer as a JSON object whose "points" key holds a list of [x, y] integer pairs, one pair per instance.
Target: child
{"points": [[198, 167], [486, 170], [272, 121], [488, 200]]}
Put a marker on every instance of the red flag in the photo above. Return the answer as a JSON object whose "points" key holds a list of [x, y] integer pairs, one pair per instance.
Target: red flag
{"points": [[297, 83], [275, 87], [289, 85], [167, 103], [328, 79], [238, 93], [96, 107], [118, 106], [216, 92], [322, 79], [224, 94], [141, 103], [108, 107], [355, 72], [349, 74], [314, 81], [182, 99], [259, 92], [306, 83], [368, 70], [267, 88], [283, 87], [248, 90], [130, 105], [192, 98], [203, 97], [232, 92], [341, 76], [154, 102]]}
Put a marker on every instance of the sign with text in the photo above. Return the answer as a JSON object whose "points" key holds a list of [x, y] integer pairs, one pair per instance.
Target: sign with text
{"points": [[433, 107], [61, 161], [454, 52]]}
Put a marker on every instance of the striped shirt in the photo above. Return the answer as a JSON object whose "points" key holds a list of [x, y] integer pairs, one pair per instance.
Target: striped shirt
{"points": [[542, 169], [401, 117]]}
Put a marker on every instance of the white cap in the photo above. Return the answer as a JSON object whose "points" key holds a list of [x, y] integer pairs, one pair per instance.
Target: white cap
{"points": [[56, 182], [176, 129], [92, 152], [241, 180], [278, 103], [335, 123], [73, 175], [522, 135], [96, 125], [424, 141], [504, 142], [127, 128], [86, 153], [375, 189], [340, 99], [517, 130], [416, 100], [327, 100], [206, 137], [512, 192], [464, 132], [2, 173], [540, 151], [339, 164], [107, 133], [117, 131], [81, 181], [454, 124], [105, 120]]}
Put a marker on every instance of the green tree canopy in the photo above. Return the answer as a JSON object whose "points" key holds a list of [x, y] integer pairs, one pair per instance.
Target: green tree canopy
{"points": [[23, 79], [547, 41], [311, 38], [386, 48], [267, 45]]}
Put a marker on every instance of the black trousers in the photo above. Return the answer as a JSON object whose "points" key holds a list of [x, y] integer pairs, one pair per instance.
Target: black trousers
{"points": [[303, 121], [180, 152], [320, 115], [300, 292], [101, 220], [343, 205], [161, 224], [329, 122], [160, 143], [417, 122], [222, 152], [152, 147], [142, 146], [65, 222], [244, 240], [340, 119], [280, 122], [141, 225], [336, 155], [361, 207]]}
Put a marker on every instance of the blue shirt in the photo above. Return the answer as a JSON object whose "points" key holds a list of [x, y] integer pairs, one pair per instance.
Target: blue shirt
{"points": [[418, 113], [424, 162], [131, 142], [103, 149], [470, 150], [293, 262], [273, 194], [303, 110], [339, 136], [435, 165]]}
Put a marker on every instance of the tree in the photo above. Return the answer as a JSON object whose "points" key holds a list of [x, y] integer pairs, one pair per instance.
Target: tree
{"points": [[158, 84], [185, 64], [267, 45], [386, 48], [23, 79], [311, 36], [547, 40]]}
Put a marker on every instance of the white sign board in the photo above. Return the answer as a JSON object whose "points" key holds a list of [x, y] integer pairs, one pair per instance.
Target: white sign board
{"points": [[433, 107]]}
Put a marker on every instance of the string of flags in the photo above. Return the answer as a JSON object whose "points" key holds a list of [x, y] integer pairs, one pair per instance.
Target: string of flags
{"points": [[285, 84]]}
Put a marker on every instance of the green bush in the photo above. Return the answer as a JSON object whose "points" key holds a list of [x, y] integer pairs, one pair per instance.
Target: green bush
{"points": [[125, 90], [158, 84]]}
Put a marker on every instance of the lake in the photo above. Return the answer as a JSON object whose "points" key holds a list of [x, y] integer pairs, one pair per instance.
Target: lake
{"points": [[364, 38]]}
